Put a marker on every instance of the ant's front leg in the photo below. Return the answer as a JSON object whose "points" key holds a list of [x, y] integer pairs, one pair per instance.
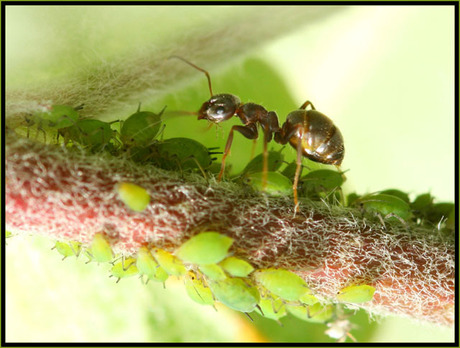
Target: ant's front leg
{"points": [[249, 131]]}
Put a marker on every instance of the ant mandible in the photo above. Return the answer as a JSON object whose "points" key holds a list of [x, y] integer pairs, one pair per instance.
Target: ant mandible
{"points": [[310, 132]]}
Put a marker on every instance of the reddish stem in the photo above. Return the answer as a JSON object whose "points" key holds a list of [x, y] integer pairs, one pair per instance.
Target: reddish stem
{"points": [[69, 195]]}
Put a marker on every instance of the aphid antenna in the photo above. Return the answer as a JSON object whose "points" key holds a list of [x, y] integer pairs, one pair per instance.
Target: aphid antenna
{"points": [[196, 67]]}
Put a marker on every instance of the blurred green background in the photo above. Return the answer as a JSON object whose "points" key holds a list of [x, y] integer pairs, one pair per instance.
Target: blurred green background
{"points": [[383, 75]]}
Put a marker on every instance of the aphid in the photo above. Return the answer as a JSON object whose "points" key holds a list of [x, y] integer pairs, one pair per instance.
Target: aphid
{"points": [[213, 272], [276, 183], [316, 313], [393, 192], [290, 170], [205, 248], [55, 118], [256, 165], [94, 134], [170, 263], [356, 293], [285, 284], [180, 154], [391, 207], [197, 289], [236, 267], [314, 136], [272, 307], [222, 107], [442, 212], [323, 180], [236, 293], [141, 128], [352, 198], [68, 249], [147, 265], [100, 249], [134, 196], [124, 268]]}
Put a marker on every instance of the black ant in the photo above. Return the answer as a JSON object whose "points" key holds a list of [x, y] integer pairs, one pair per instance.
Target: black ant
{"points": [[310, 132]]}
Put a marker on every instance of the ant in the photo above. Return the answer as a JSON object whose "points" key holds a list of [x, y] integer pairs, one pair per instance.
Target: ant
{"points": [[221, 107], [311, 133]]}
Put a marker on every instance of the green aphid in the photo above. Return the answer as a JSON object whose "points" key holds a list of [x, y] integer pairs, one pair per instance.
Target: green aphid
{"points": [[100, 249], [170, 263], [236, 293], [205, 248], [272, 307], [68, 249], [141, 128], [290, 169], [59, 116], [316, 313], [322, 180], [94, 134], [236, 267], [393, 192], [422, 203], [308, 298], [440, 211], [147, 266], [134, 196], [8, 234], [352, 198], [285, 284], [198, 290], [390, 207], [181, 154], [450, 223], [213, 272], [277, 183], [124, 268], [356, 294], [275, 160]]}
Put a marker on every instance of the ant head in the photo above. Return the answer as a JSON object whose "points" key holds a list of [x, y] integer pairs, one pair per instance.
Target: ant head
{"points": [[219, 108]]}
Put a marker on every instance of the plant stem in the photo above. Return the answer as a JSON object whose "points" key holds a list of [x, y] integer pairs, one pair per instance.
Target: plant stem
{"points": [[67, 194]]}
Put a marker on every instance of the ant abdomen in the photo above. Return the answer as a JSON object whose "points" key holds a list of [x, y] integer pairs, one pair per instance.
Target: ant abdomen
{"points": [[321, 140]]}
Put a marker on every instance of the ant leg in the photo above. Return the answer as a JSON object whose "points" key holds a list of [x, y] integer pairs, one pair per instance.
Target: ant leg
{"points": [[297, 173], [253, 150], [249, 131], [304, 105], [270, 125]]}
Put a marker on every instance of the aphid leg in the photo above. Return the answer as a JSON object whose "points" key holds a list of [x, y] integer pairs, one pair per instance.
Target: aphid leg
{"points": [[247, 314], [198, 165], [397, 217], [297, 174]]}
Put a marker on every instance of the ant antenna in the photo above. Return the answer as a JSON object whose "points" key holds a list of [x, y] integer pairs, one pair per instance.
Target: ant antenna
{"points": [[198, 68]]}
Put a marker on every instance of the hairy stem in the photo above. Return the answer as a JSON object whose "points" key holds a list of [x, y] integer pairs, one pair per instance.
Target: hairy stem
{"points": [[68, 195]]}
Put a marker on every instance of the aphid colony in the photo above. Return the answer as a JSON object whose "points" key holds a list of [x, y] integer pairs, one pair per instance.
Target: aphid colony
{"points": [[211, 273]]}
